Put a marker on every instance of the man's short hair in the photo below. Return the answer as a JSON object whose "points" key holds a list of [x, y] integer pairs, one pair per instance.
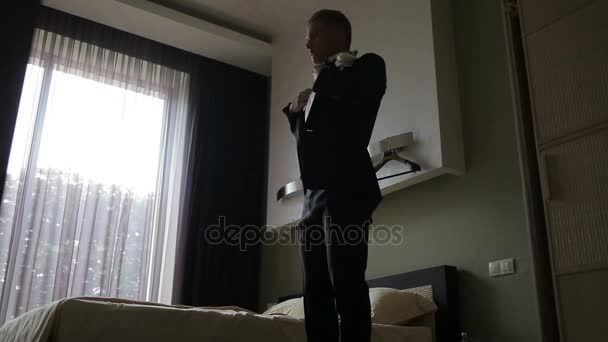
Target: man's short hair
{"points": [[334, 19]]}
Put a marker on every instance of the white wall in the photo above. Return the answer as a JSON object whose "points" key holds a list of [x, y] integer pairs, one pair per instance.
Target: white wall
{"points": [[402, 33]]}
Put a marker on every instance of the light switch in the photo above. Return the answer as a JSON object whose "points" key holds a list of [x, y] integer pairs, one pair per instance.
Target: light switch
{"points": [[494, 269], [507, 266], [502, 267]]}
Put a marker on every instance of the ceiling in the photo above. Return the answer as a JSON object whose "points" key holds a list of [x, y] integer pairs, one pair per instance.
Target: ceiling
{"points": [[262, 19]]}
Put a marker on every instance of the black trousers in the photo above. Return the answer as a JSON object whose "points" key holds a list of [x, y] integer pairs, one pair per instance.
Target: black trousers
{"points": [[333, 251]]}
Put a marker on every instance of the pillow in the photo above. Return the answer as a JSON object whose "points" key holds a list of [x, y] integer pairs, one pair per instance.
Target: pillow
{"points": [[388, 306], [398, 307], [293, 307]]}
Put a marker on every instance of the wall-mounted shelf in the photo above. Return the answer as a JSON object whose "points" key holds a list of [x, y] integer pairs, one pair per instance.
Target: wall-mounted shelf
{"points": [[377, 151]]}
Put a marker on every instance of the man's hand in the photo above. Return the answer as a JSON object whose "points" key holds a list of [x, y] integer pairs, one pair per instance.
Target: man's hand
{"points": [[301, 101]]}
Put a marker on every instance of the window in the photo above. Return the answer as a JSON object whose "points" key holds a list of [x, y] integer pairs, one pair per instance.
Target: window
{"points": [[93, 182]]}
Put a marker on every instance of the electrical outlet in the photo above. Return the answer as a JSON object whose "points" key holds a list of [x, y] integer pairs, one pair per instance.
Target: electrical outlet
{"points": [[501, 267]]}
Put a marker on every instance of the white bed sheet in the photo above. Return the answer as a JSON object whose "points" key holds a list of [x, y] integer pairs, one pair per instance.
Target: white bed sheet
{"points": [[115, 320]]}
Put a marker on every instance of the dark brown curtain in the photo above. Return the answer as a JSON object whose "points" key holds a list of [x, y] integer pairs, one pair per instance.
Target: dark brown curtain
{"points": [[228, 191], [17, 19]]}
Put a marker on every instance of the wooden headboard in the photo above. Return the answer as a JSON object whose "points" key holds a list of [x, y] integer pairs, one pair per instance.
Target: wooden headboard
{"points": [[444, 280]]}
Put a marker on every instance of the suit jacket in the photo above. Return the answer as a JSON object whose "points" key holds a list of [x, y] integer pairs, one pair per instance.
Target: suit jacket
{"points": [[332, 142]]}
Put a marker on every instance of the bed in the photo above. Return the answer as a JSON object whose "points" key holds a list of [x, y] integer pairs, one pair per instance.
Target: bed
{"points": [[116, 320], [444, 282]]}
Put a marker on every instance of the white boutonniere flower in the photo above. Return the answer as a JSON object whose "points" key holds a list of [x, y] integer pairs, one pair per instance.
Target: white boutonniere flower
{"points": [[346, 59]]}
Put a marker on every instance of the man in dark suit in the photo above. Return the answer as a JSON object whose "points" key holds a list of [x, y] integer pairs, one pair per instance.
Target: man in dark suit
{"points": [[332, 123]]}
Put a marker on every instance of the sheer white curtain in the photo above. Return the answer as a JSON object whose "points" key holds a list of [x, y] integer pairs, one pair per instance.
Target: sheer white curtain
{"points": [[94, 177]]}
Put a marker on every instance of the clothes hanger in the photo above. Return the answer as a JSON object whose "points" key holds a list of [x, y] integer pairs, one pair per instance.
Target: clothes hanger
{"points": [[381, 152], [392, 155]]}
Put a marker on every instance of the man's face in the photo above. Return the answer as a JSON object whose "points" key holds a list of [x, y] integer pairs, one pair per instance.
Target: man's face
{"points": [[321, 41]]}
